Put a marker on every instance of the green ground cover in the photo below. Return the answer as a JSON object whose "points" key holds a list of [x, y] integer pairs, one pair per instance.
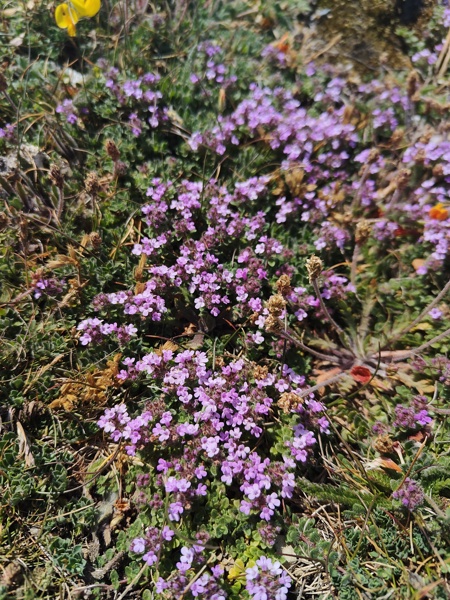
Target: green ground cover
{"points": [[224, 258]]}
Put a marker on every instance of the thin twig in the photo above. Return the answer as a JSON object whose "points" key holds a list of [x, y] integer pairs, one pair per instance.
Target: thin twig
{"points": [[424, 346], [354, 265], [296, 340], [314, 388], [131, 585], [417, 320], [342, 335]]}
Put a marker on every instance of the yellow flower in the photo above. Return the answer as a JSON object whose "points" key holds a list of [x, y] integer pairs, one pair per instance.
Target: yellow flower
{"points": [[68, 14]]}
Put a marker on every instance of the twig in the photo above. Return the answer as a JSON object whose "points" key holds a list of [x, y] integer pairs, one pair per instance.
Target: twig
{"points": [[97, 473], [341, 333], [322, 384], [417, 320], [424, 346], [296, 340], [131, 585]]}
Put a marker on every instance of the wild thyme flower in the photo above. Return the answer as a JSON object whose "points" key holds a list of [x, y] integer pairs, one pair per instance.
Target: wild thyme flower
{"points": [[67, 109], [413, 416], [7, 131], [95, 330], [267, 580], [47, 286], [410, 494]]}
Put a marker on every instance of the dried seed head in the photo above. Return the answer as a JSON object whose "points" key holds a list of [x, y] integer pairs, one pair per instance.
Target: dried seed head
{"points": [[403, 178], [397, 137], [384, 444], [412, 84], [289, 401], [362, 232], [3, 83], [120, 168], [438, 171], [273, 324], [260, 372], [4, 221], [56, 176], [314, 267], [91, 183], [112, 150], [284, 285], [253, 318], [294, 180], [276, 305], [95, 240], [392, 369], [373, 155]]}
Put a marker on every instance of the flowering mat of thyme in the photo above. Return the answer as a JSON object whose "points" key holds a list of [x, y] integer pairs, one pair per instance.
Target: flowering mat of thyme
{"points": [[224, 264]]}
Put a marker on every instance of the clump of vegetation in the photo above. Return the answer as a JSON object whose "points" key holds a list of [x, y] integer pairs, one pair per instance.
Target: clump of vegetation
{"points": [[225, 333]]}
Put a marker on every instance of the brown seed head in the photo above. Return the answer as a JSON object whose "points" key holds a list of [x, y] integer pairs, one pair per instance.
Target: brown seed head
{"points": [[362, 232], [272, 324], [260, 372], [314, 267], [397, 137], [91, 183], [276, 305], [384, 444], [373, 155], [120, 168], [438, 171], [289, 401], [56, 176], [412, 83], [284, 285], [3, 83], [95, 240], [112, 150], [403, 178]]}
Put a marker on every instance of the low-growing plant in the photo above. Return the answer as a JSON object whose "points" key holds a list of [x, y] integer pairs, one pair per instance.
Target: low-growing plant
{"points": [[224, 318]]}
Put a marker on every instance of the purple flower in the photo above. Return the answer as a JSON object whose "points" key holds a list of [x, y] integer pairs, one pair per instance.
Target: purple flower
{"points": [[267, 581], [410, 494], [67, 109], [138, 545], [409, 417], [47, 286], [435, 313], [175, 510], [8, 131]]}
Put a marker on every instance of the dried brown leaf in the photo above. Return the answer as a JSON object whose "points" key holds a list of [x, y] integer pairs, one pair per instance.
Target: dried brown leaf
{"points": [[24, 446]]}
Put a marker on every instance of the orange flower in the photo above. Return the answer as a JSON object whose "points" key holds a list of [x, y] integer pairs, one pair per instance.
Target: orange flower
{"points": [[438, 212], [282, 44]]}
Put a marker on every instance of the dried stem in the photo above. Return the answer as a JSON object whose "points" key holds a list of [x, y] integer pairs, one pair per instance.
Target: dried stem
{"points": [[354, 265], [60, 207], [346, 342], [329, 381], [324, 308], [424, 346], [417, 320], [292, 337]]}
